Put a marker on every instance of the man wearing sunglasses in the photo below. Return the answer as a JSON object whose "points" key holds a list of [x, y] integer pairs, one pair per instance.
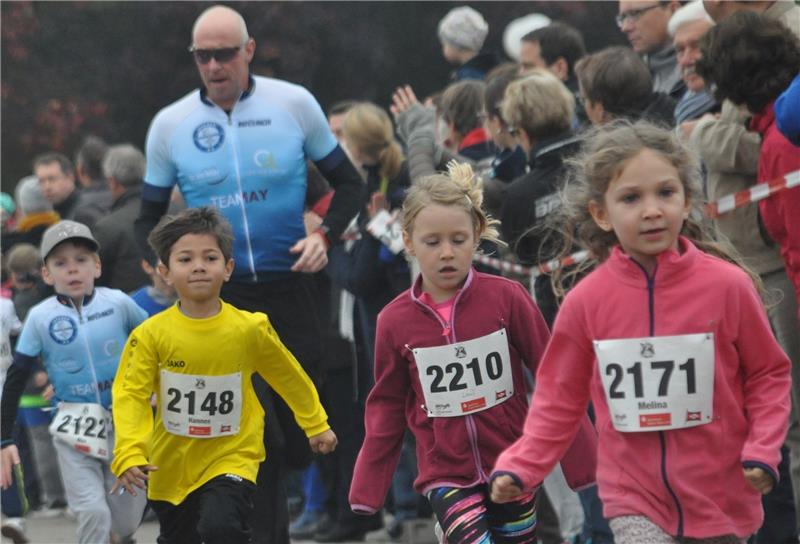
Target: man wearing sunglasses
{"points": [[644, 22], [240, 144]]}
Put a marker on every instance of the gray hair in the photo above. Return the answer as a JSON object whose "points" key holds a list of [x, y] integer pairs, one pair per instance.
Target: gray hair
{"points": [[125, 163], [688, 13]]}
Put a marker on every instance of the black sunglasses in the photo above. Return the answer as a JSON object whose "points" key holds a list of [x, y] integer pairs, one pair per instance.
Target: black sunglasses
{"points": [[223, 54]]}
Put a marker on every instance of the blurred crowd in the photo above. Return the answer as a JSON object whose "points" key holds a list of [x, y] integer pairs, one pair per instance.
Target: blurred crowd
{"points": [[722, 74]]}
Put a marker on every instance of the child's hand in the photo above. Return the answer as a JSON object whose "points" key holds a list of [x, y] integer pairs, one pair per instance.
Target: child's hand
{"points": [[10, 457], [759, 479], [40, 378], [504, 489], [324, 442], [377, 202], [48, 392], [131, 479]]}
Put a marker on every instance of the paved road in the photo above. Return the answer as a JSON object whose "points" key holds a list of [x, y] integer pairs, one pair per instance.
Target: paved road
{"points": [[61, 530]]}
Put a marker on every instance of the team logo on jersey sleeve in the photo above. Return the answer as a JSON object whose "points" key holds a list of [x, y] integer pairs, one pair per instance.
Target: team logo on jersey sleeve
{"points": [[209, 136], [63, 329]]}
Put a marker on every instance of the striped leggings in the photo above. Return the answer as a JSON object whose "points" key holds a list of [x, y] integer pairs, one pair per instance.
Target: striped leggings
{"points": [[466, 515]]}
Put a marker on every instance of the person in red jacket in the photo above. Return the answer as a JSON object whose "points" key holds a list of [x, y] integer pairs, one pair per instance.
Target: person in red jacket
{"points": [[769, 53], [670, 340], [450, 360]]}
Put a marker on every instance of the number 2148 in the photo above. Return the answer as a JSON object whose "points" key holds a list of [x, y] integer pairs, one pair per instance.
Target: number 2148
{"points": [[208, 404]]}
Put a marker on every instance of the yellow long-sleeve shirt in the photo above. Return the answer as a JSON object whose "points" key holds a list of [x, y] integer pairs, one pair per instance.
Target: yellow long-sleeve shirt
{"points": [[233, 341]]}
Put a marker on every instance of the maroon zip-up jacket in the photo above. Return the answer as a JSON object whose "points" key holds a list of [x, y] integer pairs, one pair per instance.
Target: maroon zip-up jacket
{"points": [[451, 451]]}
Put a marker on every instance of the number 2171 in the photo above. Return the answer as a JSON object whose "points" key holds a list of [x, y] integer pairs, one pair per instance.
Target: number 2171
{"points": [[635, 370]]}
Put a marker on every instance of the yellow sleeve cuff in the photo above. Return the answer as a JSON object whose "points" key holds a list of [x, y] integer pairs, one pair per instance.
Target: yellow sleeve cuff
{"points": [[317, 429]]}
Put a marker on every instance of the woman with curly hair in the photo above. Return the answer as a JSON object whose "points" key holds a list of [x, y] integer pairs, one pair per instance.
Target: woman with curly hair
{"points": [[752, 60]]}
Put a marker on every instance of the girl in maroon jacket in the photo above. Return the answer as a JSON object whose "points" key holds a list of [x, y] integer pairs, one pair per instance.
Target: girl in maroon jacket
{"points": [[450, 355]]}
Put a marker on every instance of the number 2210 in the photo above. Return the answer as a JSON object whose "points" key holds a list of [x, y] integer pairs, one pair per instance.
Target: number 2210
{"points": [[494, 369]]}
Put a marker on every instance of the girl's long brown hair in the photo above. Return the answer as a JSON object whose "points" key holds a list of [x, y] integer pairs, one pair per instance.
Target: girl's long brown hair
{"points": [[604, 155]]}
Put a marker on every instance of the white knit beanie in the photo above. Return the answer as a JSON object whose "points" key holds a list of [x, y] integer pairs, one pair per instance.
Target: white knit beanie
{"points": [[463, 27], [29, 197]]}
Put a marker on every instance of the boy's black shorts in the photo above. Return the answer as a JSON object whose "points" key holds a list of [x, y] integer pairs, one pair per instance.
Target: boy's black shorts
{"points": [[215, 513]]}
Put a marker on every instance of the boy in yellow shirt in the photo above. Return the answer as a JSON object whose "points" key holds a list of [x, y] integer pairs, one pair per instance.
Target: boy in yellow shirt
{"points": [[200, 457]]}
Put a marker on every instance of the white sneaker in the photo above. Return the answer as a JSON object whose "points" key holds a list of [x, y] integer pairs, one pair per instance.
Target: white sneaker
{"points": [[14, 528], [46, 513]]}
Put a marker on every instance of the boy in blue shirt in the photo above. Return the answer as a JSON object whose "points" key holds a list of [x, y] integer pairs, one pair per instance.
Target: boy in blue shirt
{"points": [[79, 333]]}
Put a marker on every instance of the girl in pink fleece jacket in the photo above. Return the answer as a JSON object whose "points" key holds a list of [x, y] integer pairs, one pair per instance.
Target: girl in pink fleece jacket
{"points": [[450, 355], [669, 339]]}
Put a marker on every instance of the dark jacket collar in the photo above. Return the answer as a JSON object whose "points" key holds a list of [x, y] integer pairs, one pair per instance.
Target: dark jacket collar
{"points": [[251, 85], [477, 67], [96, 186], [68, 205], [553, 147], [509, 164], [127, 196], [66, 301]]}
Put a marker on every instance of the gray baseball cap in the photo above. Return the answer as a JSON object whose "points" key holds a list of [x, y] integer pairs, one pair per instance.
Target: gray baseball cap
{"points": [[63, 231]]}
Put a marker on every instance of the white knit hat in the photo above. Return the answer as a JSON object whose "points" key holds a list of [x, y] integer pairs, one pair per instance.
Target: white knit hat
{"points": [[519, 27], [29, 197], [463, 27]]}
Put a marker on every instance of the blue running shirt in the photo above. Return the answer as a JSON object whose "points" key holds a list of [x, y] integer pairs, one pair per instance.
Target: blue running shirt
{"points": [[81, 350], [250, 164]]}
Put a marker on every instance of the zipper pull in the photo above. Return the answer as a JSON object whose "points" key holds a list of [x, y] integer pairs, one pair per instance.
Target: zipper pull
{"points": [[446, 330], [77, 310]]}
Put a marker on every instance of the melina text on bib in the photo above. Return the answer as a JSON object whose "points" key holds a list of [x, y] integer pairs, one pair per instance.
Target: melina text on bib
{"points": [[658, 383]]}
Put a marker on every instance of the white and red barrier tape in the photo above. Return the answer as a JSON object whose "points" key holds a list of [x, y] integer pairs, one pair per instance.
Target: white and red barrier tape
{"points": [[753, 194], [533, 271], [713, 209]]}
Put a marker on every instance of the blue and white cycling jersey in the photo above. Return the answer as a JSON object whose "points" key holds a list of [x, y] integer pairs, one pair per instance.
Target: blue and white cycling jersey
{"points": [[250, 164], [81, 350]]}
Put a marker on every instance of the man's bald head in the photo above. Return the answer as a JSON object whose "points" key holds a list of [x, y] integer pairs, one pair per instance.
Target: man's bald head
{"points": [[221, 17], [222, 53]]}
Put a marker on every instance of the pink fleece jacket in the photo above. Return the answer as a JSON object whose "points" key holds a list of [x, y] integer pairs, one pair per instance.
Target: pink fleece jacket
{"points": [[688, 481], [452, 451]]}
